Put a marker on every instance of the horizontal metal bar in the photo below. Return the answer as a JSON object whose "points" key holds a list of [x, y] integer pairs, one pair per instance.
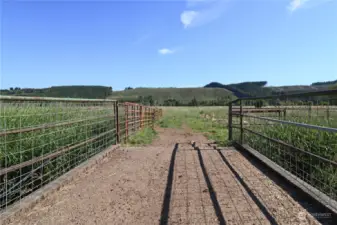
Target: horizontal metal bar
{"points": [[315, 127], [51, 155], [303, 94], [47, 126], [260, 110], [22, 98], [320, 197], [292, 147]]}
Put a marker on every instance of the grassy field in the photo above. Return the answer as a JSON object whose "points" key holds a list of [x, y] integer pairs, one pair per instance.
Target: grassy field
{"points": [[211, 121]]}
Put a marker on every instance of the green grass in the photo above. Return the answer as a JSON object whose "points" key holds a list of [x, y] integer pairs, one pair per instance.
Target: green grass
{"points": [[195, 118], [142, 137], [318, 173], [86, 122]]}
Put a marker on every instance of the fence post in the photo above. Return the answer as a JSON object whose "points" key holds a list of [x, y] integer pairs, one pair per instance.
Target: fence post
{"points": [[132, 125], [230, 121], [126, 121], [141, 116], [241, 123], [153, 117], [116, 122]]}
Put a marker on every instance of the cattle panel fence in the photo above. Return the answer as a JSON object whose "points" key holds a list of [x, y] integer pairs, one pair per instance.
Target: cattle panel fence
{"points": [[297, 132], [43, 138]]}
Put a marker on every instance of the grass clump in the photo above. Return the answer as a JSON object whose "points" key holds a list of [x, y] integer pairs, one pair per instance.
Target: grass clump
{"points": [[142, 137]]}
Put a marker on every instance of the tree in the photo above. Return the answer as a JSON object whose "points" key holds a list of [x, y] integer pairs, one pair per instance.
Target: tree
{"points": [[258, 104], [194, 102]]}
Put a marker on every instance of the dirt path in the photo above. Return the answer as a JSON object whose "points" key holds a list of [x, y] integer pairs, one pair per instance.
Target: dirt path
{"points": [[201, 185]]}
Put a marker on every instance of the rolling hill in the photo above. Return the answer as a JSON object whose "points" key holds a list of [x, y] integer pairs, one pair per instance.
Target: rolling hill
{"points": [[213, 93], [183, 95], [259, 88]]}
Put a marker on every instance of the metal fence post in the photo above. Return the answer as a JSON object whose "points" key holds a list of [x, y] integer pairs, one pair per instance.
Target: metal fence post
{"points": [[116, 122], [153, 117], [140, 117], [241, 123], [126, 120], [230, 121]]}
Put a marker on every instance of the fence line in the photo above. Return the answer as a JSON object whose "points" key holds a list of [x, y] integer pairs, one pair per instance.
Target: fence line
{"points": [[297, 132], [43, 138]]}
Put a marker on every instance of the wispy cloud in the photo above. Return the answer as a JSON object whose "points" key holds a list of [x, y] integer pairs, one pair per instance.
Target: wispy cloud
{"points": [[142, 39], [297, 4], [200, 12], [166, 51]]}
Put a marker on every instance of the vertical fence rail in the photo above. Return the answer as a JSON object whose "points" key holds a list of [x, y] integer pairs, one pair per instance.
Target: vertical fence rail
{"points": [[43, 138]]}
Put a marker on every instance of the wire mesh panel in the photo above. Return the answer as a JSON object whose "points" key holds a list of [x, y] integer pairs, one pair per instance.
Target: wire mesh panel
{"points": [[298, 132], [41, 139]]}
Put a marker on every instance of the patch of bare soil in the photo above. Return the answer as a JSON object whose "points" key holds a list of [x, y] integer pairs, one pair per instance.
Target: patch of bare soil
{"points": [[170, 182]]}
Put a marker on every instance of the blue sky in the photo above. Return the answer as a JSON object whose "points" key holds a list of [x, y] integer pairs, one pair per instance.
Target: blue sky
{"points": [[167, 43]]}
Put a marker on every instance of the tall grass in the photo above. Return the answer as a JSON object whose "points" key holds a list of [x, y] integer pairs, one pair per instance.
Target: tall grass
{"points": [[79, 123], [309, 168]]}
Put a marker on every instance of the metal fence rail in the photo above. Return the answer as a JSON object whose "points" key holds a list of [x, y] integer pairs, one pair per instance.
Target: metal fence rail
{"points": [[298, 132], [42, 138]]}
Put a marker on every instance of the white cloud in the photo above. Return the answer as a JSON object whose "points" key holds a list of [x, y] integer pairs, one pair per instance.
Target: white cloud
{"points": [[187, 17], [166, 51], [201, 12], [297, 4]]}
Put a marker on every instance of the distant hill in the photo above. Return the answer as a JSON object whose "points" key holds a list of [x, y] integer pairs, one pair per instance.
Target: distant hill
{"points": [[258, 88], [244, 89], [183, 95], [213, 93], [62, 91], [298, 88], [324, 83]]}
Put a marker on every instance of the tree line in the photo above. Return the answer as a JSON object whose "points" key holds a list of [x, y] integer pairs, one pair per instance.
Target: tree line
{"points": [[149, 100]]}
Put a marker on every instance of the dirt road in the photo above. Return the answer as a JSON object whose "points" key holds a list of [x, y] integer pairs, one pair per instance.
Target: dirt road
{"points": [[170, 182]]}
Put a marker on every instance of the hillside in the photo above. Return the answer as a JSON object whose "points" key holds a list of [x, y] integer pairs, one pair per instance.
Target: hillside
{"points": [[334, 82], [212, 94], [259, 88], [182, 95], [62, 91], [244, 89]]}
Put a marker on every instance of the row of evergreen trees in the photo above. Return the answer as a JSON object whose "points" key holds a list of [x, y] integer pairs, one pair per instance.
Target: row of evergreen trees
{"points": [[149, 100]]}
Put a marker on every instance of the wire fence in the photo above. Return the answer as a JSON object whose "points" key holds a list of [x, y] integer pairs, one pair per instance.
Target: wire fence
{"points": [[43, 138], [297, 132]]}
